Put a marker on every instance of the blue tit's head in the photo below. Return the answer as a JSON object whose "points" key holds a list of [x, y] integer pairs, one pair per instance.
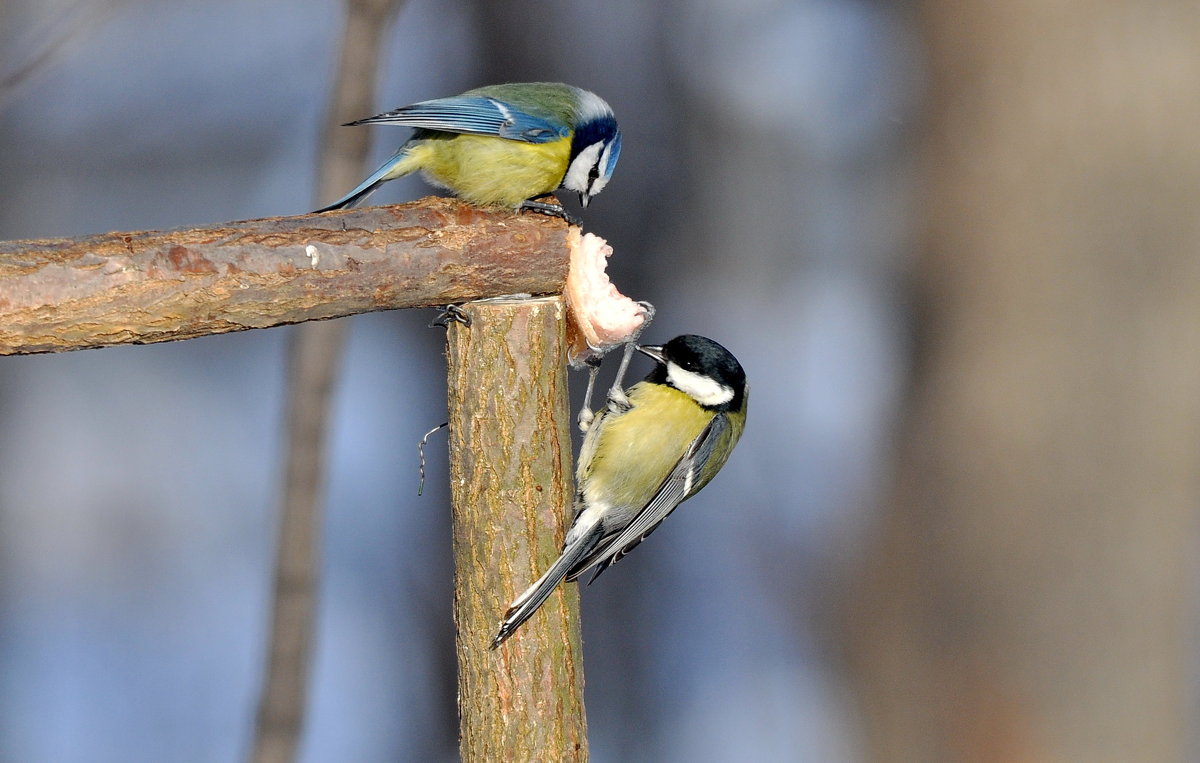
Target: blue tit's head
{"points": [[700, 368], [595, 147]]}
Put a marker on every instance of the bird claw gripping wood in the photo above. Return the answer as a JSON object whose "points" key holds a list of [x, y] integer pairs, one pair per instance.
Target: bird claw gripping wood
{"points": [[451, 314]]}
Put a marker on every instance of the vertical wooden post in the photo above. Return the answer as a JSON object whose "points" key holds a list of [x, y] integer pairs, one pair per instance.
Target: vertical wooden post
{"points": [[511, 487]]}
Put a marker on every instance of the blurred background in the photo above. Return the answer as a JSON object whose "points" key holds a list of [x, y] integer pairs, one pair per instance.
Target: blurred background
{"points": [[954, 244]]}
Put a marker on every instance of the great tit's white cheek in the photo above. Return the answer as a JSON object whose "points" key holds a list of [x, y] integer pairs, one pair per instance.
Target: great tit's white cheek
{"points": [[578, 173], [703, 389]]}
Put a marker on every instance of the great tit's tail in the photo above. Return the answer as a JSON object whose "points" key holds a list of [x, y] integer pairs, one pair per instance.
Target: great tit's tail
{"points": [[527, 603], [396, 166]]}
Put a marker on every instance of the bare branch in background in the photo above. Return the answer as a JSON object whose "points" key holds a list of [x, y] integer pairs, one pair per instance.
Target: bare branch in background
{"points": [[53, 43], [1032, 595], [316, 352]]}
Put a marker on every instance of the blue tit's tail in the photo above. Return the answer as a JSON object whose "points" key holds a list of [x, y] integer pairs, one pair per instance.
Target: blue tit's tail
{"points": [[527, 603], [390, 170]]}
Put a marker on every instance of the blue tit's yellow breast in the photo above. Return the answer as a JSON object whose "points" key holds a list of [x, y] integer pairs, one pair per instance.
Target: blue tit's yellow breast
{"points": [[635, 451], [490, 171]]}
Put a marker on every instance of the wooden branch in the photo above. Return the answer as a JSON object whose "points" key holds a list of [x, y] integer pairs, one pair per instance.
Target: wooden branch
{"points": [[156, 286], [511, 486]]}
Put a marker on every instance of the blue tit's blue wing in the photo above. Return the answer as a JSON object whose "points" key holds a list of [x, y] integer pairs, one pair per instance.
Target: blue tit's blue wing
{"points": [[368, 186], [678, 485], [475, 115]]}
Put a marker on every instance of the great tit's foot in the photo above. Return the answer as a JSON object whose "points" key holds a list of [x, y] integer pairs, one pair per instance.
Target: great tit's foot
{"points": [[585, 413], [585, 419], [618, 401], [648, 311], [451, 314], [553, 210]]}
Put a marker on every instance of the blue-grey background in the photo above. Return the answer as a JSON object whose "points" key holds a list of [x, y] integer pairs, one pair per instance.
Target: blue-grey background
{"points": [[761, 199]]}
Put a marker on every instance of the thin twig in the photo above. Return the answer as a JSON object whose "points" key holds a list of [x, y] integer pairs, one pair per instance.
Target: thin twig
{"points": [[55, 42], [421, 456]]}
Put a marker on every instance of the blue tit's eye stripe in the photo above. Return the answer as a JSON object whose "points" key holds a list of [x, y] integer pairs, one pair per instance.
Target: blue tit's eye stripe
{"points": [[476, 115]]}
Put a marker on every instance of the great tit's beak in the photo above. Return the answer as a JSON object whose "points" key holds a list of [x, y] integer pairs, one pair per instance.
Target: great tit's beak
{"points": [[584, 199], [653, 351]]}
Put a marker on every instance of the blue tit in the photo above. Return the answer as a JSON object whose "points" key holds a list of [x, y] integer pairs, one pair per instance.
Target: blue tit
{"points": [[503, 145], [642, 456]]}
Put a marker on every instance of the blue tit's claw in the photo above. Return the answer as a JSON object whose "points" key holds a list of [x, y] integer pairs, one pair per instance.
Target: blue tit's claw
{"points": [[451, 314], [553, 210]]}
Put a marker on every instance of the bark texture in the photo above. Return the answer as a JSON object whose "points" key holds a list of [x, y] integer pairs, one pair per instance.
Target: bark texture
{"points": [[511, 485], [156, 286]]}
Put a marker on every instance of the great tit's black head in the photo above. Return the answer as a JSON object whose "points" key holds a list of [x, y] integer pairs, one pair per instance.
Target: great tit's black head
{"points": [[702, 369]]}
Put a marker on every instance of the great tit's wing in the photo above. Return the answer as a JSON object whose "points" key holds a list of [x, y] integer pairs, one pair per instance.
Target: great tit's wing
{"points": [[678, 485], [475, 115], [532, 599]]}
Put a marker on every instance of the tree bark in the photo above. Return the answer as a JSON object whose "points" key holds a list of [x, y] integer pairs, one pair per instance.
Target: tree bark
{"points": [[511, 486], [1033, 594], [157, 286]]}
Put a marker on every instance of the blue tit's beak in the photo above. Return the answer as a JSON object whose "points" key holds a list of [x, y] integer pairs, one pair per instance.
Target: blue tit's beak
{"points": [[584, 199], [653, 351]]}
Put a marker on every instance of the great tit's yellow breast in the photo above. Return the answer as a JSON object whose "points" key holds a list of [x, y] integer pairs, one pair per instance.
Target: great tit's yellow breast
{"points": [[489, 171], [635, 451]]}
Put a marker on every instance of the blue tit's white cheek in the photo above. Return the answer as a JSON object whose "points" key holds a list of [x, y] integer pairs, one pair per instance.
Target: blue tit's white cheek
{"points": [[703, 389], [597, 186], [578, 174], [601, 179]]}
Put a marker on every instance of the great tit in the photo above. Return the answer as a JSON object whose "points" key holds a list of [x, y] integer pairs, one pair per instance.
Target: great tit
{"points": [[503, 145], [645, 453]]}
